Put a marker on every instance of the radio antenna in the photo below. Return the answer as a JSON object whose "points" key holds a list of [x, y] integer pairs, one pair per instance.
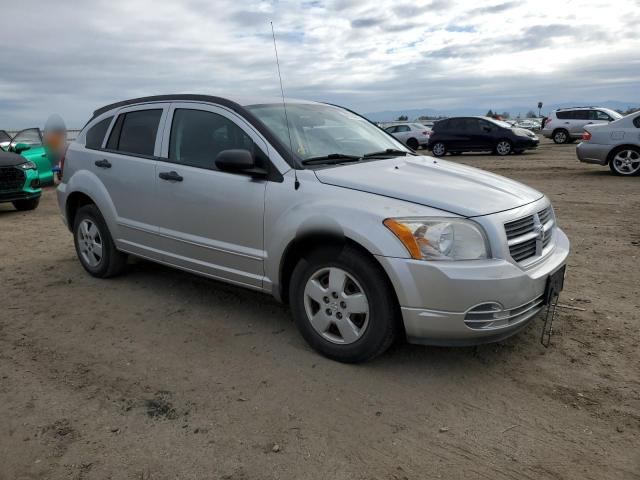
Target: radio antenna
{"points": [[296, 183]]}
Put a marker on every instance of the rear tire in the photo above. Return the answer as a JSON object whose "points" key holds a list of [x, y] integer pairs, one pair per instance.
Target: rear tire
{"points": [[560, 136], [625, 162], [413, 144], [24, 205], [94, 245], [439, 149], [329, 290]]}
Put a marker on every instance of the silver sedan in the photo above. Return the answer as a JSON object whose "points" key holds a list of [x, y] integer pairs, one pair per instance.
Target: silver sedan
{"points": [[413, 135], [616, 144]]}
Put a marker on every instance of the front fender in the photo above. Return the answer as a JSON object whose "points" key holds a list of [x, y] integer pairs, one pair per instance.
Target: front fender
{"points": [[317, 208]]}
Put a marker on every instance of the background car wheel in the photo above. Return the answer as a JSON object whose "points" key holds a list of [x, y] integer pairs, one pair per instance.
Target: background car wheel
{"points": [[413, 144], [439, 149], [503, 147], [94, 245], [24, 205], [625, 161], [343, 304], [560, 136]]}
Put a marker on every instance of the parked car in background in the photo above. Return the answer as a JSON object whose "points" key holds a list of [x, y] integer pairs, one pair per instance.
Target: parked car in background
{"points": [[5, 140], [529, 124], [565, 125], [479, 134], [19, 182], [413, 135], [35, 151], [365, 239], [616, 144]]}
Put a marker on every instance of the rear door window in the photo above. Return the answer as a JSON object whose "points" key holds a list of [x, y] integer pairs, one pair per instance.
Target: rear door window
{"points": [[581, 115], [402, 128], [95, 135], [457, 124], [135, 132]]}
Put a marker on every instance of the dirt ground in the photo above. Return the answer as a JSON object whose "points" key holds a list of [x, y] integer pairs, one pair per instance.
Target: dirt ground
{"points": [[159, 374]]}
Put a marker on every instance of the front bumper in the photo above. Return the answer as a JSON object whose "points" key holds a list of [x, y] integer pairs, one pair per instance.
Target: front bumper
{"points": [[526, 143], [440, 300], [593, 152]]}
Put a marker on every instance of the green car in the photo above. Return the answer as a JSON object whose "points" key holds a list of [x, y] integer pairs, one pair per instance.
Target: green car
{"points": [[19, 181], [31, 148]]}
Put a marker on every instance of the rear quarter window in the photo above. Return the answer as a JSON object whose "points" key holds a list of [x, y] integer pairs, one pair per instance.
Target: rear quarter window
{"points": [[95, 135]]}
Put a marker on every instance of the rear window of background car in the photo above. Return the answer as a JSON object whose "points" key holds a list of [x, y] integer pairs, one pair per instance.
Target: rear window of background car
{"points": [[135, 132], [95, 135]]}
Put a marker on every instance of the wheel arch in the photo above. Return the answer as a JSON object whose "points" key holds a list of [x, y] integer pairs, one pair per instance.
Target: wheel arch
{"points": [[618, 148], [296, 249], [75, 201]]}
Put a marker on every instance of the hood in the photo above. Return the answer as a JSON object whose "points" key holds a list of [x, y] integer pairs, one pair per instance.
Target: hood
{"points": [[8, 159], [436, 183]]}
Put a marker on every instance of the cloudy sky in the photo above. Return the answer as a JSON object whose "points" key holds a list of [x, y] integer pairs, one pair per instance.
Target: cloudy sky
{"points": [[71, 57]]}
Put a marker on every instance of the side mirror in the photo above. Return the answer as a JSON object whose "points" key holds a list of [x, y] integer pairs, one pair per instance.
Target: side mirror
{"points": [[239, 161], [20, 147]]}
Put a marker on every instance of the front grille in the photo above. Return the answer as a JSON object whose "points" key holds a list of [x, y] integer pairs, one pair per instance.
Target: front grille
{"points": [[491, 315], [11, 179], [527, 237]]}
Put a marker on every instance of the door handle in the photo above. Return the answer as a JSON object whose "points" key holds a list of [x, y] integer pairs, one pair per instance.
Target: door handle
{"points": [[171, 176], [103, 163]]}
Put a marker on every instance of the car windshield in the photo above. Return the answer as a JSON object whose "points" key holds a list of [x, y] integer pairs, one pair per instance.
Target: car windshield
{"points": [[499, 122], [319, 131]]}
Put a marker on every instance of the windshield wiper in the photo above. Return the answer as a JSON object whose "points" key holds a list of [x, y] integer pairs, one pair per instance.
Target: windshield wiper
{"points": [[389, 152], [332, 158]]}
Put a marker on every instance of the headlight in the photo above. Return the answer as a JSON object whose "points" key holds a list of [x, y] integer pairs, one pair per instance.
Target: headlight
{"points": [[440, 238], [524, 133], [28, 166]]}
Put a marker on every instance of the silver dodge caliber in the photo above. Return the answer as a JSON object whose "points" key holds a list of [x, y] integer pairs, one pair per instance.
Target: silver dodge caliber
{"points": [[366, 240]]}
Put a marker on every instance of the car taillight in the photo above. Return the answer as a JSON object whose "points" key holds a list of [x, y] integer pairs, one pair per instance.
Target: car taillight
{"points": [[586, 136], [426, 132]]}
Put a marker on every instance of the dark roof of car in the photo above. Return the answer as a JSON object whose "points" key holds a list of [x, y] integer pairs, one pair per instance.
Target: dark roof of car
{"points": [[188, 97]]}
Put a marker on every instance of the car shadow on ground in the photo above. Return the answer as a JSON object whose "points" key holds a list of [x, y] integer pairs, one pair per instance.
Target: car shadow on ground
{"points": [[268, 315]]}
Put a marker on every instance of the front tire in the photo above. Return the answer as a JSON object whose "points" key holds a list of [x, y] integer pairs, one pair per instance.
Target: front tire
{"points": [[625, 162], [94, 246], [24, 205], [503, 148], [439, 149], [343, 304]]}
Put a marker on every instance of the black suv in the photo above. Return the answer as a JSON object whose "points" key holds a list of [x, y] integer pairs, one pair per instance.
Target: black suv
{"points": [[479, 134]]}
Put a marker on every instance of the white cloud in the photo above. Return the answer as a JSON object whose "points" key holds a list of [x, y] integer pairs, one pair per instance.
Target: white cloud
{"points": [[72, 57]]}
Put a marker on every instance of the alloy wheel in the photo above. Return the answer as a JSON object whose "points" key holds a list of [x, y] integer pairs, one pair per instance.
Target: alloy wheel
{"points": [[627, 162], [560, 137], [336, 305], [503, 147], [439, 149], [89, 242]]}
